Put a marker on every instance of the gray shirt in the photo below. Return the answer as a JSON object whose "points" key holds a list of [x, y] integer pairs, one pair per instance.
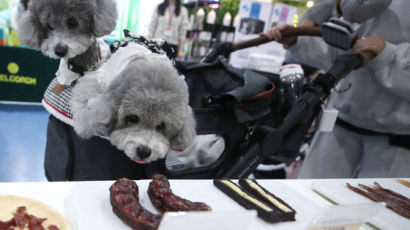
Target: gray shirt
{"points": [[378, 95], [321, 12]]}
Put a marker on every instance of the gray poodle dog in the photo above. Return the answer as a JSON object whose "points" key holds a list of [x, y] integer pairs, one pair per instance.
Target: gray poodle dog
{"points": [[67, 30], [134, 98], [139, 101]]}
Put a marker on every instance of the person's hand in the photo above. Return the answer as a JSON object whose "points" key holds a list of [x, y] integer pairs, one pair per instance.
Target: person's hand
{"points": [[275, 33], [373, 44], [369, 47]]}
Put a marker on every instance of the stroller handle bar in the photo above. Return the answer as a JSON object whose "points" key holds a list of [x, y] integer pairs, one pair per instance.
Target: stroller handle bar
{"points": [[334, 36], [298, 31], [226, 48]]}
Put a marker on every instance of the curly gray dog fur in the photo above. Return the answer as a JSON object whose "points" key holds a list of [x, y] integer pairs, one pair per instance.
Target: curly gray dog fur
{"points": [[144, 110], [66, 28]]}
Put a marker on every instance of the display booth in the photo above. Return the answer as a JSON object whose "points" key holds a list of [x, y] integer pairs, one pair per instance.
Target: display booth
{"points": [[24, 74]]}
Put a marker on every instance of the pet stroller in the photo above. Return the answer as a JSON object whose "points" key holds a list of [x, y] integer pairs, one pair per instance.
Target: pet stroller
{"points": [[244, 107]]}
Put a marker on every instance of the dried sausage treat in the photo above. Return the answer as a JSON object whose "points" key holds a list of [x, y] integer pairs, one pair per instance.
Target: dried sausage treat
{"points": [[125, 204], [252, 187], [395, 201], [249, 201], [161, 196]]}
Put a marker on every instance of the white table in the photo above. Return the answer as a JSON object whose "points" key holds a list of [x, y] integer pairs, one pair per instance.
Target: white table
{"points": [[86, 205]]}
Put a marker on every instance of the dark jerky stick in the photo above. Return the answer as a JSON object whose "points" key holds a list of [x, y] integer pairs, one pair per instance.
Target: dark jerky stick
{"points": [[248, 201], [363, 193], [390, 199], [125, 204], [398, 205], [376, 195], [162, 197], [392, 202], [274, 202], [245, 183], [398, 195]]}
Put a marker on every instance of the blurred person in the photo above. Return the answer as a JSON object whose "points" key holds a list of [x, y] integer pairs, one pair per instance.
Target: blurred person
{"points": [[169, 21], [319, 13], [371, 137]]}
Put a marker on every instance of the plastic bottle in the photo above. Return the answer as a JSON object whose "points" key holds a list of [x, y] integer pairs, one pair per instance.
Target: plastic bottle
{"points": [[227, 19], [200, 16], [292, 80], [211, 17]]}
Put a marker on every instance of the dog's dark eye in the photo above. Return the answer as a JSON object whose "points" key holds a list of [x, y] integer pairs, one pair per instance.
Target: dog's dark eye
{"points": [[132, 118], [49, 26], [160, 126], [72, 23]]}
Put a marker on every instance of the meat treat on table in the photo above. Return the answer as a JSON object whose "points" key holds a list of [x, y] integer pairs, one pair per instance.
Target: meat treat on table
{"points": [[22, 220], [252, 187], [395, 201], [266, 211], [125, 204], [162, 197], [27, 214]]}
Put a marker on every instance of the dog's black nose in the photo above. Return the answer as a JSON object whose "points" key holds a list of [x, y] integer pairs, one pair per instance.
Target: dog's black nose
{"points": [[60, 50], [143, 151]]}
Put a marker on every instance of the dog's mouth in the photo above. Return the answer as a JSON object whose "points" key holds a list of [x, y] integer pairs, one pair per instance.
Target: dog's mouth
{"points": [[140, 147], [139, 161]]}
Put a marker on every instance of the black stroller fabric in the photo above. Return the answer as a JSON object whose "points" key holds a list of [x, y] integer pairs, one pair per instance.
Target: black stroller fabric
{"points": [[221, 85], [226, 101]]}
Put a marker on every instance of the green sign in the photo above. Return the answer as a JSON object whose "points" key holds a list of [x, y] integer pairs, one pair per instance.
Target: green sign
{"points": [[24, 74]]}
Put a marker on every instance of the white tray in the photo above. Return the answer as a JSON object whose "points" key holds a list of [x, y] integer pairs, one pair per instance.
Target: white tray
{"points": [[337, 191], [93, 209]]}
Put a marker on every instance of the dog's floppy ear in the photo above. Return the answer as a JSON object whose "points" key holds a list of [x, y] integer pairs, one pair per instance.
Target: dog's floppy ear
{"points": [[187, 134], [107, 104], [105, 17], [22, 22], [93, 110]]}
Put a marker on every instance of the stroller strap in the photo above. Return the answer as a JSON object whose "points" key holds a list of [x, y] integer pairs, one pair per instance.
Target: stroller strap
{"points": [[263, 95]]}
